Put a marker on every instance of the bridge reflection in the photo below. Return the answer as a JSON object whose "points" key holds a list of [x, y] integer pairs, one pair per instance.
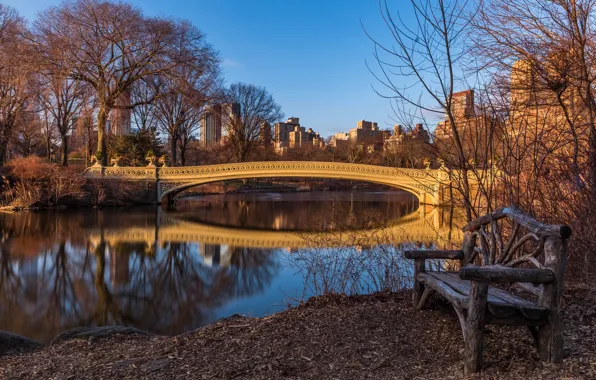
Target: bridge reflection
{"points": [[430, 225]]}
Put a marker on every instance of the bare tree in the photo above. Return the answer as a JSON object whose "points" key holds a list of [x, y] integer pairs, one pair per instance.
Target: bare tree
{"points": [[352, 152], [427, 57], [48, 131], [64, 99], [187, 89], [186, 135], [28, 137], [110, 46], [142, 94], [249, 108], [15, 70]]}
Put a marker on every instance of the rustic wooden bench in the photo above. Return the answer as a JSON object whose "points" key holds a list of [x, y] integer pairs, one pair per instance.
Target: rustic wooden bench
{"points": [[505, 246]]}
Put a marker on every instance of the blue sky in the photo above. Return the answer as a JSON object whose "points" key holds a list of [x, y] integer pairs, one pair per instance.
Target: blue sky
{"points": [[310, 54]]}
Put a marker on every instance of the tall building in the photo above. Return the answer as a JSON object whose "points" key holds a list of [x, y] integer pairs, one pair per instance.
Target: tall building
{"points": [[210, 127], [282, 132], [300, 137], [463, 104], [339, 140], [479, 134], [367, 133], [318, 141], [402, 140], [420, 134], [215, 254], [231, 110], [265, 133], [230, 115], [120, 119], [290, 134], [541, 115]]}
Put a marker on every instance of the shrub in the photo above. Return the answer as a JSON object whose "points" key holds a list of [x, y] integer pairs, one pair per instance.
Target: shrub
{"points": [[32, 182]]}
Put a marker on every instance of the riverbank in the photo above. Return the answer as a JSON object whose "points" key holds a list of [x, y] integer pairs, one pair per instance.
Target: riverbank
{"points": [[378, 336], [113, 194]]}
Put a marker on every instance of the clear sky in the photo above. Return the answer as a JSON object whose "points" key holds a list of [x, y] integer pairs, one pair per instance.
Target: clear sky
{"points": [[310, 54]]}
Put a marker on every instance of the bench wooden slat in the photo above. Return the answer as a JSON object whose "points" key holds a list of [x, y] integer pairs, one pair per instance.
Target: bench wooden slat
{"points": [[500, 273], [458, 299], [501, 304], [502, 294], [457, 254]]}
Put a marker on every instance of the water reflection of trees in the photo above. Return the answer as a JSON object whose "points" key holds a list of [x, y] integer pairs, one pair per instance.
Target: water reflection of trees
{"points": [[167, 289]]}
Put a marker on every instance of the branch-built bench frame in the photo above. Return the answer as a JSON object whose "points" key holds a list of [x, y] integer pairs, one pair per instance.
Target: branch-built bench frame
{"points": [[505, 246]]}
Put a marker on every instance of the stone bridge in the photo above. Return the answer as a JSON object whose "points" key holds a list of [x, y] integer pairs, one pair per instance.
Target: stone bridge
{"points": [[428, 185]]}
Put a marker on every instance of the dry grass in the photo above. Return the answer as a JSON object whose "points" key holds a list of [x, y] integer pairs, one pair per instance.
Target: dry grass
{"points": [[333, 337]]}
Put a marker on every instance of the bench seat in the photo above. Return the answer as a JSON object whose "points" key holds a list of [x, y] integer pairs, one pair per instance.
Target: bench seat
{"points": [[502, 306]]}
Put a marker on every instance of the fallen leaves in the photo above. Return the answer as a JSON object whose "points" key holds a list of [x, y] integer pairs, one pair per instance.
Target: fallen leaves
{"points": [[377, 336]]}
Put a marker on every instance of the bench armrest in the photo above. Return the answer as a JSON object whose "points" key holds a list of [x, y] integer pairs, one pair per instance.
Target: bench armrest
{"points": [[434, 254], [500, 273]]}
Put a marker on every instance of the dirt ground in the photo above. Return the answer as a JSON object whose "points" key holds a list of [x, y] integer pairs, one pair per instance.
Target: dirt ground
{"points": [[333, 337]]}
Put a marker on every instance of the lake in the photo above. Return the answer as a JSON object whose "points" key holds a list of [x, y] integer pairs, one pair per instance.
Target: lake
{"points": [[171, 271]]}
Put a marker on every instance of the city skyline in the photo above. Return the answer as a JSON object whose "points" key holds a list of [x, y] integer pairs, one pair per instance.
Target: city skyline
{"points": [[328, 50]]}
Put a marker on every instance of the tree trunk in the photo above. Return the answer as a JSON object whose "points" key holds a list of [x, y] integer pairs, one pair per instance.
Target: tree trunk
{"points": [[4, 134], [3, 152], [64, 150], [173, 148], [592, 162], [49, 148], [102, 150], [183, 152]]}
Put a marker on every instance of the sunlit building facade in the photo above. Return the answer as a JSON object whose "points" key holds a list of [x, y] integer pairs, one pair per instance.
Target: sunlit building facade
{"points": [[210, 127]]}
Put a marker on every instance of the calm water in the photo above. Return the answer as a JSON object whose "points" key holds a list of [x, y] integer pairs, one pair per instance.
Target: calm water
{"points": [[173, 271]]}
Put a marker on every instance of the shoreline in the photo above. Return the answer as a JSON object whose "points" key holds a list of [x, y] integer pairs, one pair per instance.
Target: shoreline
{"points": [[335, 336], [244, 189]]}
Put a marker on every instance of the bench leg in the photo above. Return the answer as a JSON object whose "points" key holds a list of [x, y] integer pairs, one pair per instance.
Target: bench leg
{"points": [[474, 334], [427, 293], [550, 339], [534, 331], [418, 290]]}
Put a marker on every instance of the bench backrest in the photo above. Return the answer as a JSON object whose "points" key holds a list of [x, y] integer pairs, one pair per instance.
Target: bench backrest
{"points": [[512, 238]]}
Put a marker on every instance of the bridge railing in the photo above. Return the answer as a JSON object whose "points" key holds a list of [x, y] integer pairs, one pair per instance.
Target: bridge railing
{"points": [[152, 172], [122, 172]]}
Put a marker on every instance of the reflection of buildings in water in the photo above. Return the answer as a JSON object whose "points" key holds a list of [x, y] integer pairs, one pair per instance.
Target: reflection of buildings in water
{"points": [[215, 254], [279, 222]]}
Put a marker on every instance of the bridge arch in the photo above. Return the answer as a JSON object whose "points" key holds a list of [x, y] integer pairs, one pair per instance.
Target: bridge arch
{"points": [[422, 197], [426, 185]]}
